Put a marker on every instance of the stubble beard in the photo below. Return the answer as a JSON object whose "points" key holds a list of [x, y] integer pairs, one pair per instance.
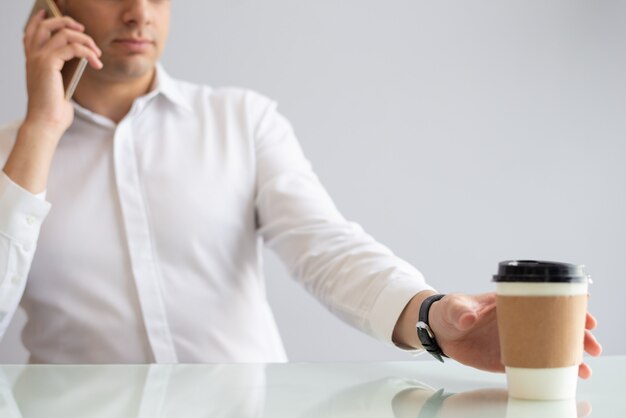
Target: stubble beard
{"points": [[128, 68]]}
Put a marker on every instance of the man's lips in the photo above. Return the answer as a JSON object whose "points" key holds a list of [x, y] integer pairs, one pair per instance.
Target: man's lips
{"points": [[134, 44]]}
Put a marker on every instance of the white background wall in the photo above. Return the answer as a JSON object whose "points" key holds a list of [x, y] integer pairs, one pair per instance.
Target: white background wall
{"points": [[458, 133]]}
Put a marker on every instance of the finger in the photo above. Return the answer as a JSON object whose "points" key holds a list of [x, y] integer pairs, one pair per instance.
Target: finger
{"points": [[584, 371], [462, 311], [456, 306], [31, 27], [55, 23], [45, 29], [592, 346], [486, 306], [590, 322], [68, 36], [80, 51], [485, 300], [467, 320]]}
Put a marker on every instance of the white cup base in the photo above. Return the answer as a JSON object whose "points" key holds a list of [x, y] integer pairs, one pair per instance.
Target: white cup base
{"points": [[542, 384]]}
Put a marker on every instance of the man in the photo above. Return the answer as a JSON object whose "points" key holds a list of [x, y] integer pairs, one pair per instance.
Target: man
{"points": [[161, 190]]}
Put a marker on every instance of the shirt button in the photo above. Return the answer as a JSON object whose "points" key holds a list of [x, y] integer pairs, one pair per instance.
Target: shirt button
{"points": [[30, 220], [16, 280]]}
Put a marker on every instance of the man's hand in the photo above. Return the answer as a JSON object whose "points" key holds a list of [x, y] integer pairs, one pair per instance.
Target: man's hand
{"points": [[467, 331], [48, 45]]}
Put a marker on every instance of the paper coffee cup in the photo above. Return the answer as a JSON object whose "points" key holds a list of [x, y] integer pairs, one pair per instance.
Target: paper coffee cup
{"points": [[541, 308]]}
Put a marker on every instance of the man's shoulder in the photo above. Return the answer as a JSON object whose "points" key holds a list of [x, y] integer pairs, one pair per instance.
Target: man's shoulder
{"points": [[229, 96], [244, 99]]}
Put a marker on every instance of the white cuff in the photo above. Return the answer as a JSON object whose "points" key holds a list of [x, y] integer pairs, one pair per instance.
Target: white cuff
{"points": [[21, 212], [390, 304]]}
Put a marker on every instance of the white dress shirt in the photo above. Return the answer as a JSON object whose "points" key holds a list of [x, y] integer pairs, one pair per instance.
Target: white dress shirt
{"points": [[148, 248]]}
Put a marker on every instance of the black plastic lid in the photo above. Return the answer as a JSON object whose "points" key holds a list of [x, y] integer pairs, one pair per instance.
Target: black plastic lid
{"points": [[540, 272]]}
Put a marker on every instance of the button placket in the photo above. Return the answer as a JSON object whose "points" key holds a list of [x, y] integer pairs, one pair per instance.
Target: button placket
{"points": [[144, 267]]}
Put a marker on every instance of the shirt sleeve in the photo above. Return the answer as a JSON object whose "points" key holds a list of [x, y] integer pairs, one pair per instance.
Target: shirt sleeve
{"points": [[355, 277], [21, 215]]}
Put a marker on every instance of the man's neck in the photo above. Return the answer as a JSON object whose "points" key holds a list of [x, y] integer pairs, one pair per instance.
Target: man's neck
{"points": [[110, 97]]}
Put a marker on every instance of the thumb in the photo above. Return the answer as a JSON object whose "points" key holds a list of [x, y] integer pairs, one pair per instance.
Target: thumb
{"points": [[463, 311], [466, 320]]}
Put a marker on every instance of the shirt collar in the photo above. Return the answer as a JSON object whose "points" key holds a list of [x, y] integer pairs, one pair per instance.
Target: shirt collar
{"points": [[163, 84], [169, 88]]}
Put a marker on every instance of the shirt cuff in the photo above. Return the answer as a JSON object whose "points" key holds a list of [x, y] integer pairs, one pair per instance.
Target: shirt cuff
{"points": [[390, 304], [21, 212]]}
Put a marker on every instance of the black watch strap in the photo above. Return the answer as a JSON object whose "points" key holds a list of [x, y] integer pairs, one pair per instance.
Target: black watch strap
{"points": [[424, 333]]}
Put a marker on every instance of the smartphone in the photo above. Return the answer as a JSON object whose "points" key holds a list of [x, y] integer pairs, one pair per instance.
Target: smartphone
{"points": [[53, 11]]}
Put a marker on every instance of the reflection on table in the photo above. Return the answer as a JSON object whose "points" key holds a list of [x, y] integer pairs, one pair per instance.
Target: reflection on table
{"points": [[399, 390], [400, 398], [136, 391]]}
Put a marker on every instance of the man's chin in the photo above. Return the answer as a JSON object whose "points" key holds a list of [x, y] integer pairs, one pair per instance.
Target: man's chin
{"points": [[130, 68]]}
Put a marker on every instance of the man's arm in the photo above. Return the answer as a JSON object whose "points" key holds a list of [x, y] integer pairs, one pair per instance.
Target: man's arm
{"points": [[354, 276], [29, 162], [48, 45]]}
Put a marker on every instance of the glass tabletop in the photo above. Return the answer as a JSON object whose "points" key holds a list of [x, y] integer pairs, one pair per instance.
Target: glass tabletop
{"points": [[418, 389]]}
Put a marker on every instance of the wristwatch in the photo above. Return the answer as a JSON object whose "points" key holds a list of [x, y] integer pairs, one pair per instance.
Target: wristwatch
{"points": [[424, 333]]}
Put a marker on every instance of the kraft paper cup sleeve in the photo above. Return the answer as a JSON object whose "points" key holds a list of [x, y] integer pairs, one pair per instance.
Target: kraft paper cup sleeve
{"points": [[541, 331]]}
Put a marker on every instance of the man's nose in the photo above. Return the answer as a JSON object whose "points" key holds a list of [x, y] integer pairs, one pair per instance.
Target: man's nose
{"points": [[137, 12]]}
